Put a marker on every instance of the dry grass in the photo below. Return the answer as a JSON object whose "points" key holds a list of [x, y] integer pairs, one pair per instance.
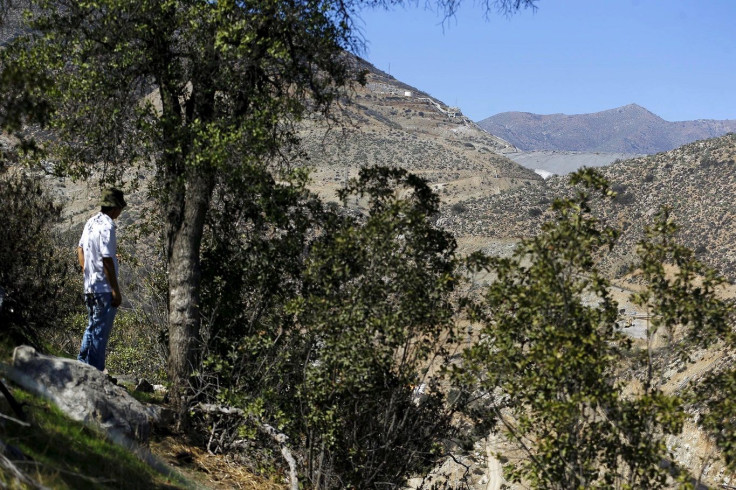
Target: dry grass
{"points": [[209, 470]]}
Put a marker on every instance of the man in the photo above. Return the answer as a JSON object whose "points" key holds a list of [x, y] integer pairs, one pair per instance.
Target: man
{"points": [[96, 254]]}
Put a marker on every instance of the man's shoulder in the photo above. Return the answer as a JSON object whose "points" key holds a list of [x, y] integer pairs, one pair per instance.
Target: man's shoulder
{"points": [[100, 221]]}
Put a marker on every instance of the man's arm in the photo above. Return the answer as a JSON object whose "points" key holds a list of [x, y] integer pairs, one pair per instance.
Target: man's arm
{"points": [[109, 266], [80, 257]]}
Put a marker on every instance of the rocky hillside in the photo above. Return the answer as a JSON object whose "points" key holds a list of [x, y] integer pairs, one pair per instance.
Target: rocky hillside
{"points": [[10, 23], [628, 129], [698, 181], [387, 122]]}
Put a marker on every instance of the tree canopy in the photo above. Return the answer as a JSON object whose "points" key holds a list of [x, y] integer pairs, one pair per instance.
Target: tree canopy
{"points": [[200, 91]]}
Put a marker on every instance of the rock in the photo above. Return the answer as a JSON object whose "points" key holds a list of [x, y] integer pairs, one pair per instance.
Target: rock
{"points": [[144, 386], [84, 394]]}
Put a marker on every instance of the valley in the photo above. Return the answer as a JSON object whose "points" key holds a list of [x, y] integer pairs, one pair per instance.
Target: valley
{"points": [[494, 195], [489, 203]]}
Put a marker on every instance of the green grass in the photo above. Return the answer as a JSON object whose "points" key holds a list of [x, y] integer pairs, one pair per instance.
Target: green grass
{"points": [[143, 397], [63, 454]]}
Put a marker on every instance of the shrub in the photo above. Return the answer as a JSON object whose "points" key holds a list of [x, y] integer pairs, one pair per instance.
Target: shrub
{"points": [[619, 188], [37, 272], [625, 198], [458, 208], [136, 348], [377, 305], [544, 371], [323, 323]]}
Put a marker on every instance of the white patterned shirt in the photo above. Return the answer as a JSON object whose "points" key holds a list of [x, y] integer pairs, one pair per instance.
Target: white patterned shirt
{"points": [[98, 241]]}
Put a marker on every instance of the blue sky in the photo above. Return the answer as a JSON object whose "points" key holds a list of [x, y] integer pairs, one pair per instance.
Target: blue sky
{"points": [[677, 58]]}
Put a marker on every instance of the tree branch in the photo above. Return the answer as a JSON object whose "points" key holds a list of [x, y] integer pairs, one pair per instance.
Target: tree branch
{"points": [[20, 477], [12, 401], [279, 437]]}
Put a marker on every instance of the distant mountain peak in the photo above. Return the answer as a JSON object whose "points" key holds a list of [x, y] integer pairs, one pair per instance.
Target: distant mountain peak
{"points": [[630, 129], [636, 109]]}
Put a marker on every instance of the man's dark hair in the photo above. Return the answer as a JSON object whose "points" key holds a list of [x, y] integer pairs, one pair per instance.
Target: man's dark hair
{"points": [[107, 209]]}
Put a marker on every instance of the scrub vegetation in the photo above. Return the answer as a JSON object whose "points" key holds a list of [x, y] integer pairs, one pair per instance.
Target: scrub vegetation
{"points": [[321, 342], [338, 325]]}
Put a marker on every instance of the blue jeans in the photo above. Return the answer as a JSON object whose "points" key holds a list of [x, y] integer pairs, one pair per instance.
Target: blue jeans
{"points": [[94, 342]]}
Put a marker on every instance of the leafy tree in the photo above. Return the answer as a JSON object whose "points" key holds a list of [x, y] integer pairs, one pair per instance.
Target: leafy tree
{"points": [[687, 313], [376, 306], [202, 91], [547, 361], [228, 77], [717, 393], [346, 315], [685, 309], [253, 263]]}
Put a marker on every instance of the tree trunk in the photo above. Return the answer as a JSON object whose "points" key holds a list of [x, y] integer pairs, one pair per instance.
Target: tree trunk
{"points": [[185, 238]]}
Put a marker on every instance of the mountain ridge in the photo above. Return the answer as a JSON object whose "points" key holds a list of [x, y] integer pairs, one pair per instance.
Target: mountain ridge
{"points": [[388, 122], [631, 129]]}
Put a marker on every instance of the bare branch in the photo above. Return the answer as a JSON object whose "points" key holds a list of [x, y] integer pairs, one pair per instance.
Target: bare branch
{"points": [[15, 472], [279, 437]]}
